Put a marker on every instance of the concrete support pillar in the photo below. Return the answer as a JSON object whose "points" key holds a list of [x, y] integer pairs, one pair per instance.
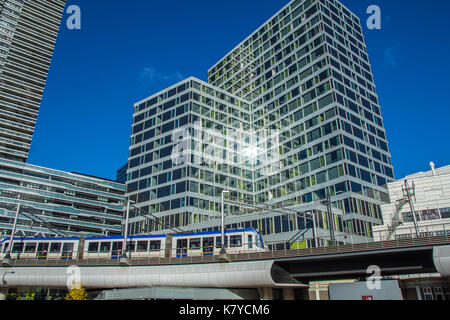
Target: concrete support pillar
{"points": [[288, 294], [266, 293]]}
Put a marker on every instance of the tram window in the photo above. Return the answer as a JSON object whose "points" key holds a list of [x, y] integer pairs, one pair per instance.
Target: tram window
{"points": [[250, 241], [17, 247], [30, 247], [142, 246], [68, 247], [105, 246], [93, 247], [208, 244], [236, 241], [181, 243], [194, 244], [55, 247], [131, 246], [42, 247], [155, 245], [219, 241], [117, 246], [5, 246]]}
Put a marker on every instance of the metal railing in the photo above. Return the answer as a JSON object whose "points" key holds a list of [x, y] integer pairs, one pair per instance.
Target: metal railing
{"points": [[407, 231], [242, 256]]}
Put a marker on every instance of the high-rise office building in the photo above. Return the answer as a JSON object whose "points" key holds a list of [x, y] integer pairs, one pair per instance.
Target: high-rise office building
{"points": [[28, 32], [288, 116], [49, 201], [121, 174]]}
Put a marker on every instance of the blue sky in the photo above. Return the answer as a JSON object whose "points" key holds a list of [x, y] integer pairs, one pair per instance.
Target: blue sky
{"points": [[124, 53]]}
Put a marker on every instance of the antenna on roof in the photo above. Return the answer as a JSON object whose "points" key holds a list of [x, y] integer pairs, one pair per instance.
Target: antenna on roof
{"points": [[432, 168]]}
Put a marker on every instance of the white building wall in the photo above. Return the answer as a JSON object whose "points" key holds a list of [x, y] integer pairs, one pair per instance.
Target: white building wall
{"points": [[432, 195]]}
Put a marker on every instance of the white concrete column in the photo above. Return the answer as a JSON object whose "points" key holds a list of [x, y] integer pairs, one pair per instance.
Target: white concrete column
{"points": [[267, 293], [317, 290], [419, 295]]}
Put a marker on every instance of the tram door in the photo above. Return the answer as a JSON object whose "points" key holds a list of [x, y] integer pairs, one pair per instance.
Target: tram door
{"points": [[116, 251], [67, 251], [250, 241], [208, 246], [182, 247], [42, 251]]}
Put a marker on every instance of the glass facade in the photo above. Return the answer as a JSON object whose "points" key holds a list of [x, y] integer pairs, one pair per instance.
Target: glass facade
{"points": [[189, 142], [53, 201], [121, 175], [297, 99]]}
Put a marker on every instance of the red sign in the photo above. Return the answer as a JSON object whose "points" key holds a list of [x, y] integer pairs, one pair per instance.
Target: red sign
{"points": [[367, 297]]}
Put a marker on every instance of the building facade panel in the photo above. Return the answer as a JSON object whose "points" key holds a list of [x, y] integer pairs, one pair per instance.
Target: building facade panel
{"points": [[54, 202]]}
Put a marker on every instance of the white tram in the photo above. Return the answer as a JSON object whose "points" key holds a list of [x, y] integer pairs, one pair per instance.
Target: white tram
{"points": [[209, 243], [145, 246]]}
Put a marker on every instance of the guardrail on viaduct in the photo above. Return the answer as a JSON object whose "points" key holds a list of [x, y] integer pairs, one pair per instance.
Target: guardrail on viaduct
{"points": [[269, 255]]}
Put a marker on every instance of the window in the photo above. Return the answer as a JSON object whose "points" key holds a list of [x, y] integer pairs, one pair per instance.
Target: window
{"points": [[236, 241], [68, 247], [105, 246], [208, 244], [142, 246], [131, 246], [5, 246], [194, 244], [30, 247], [445, 213], [155, 245], [181, 243], [439, 293], [117, 248], [219, 241], [427, 293], [17, 247], [42, 248], [55, 247], [93, 247]]}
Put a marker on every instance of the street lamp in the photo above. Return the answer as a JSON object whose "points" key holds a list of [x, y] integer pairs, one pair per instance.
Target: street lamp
{"points": [[7, 261], [314, 228], [222, 249], [124, 258]]}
